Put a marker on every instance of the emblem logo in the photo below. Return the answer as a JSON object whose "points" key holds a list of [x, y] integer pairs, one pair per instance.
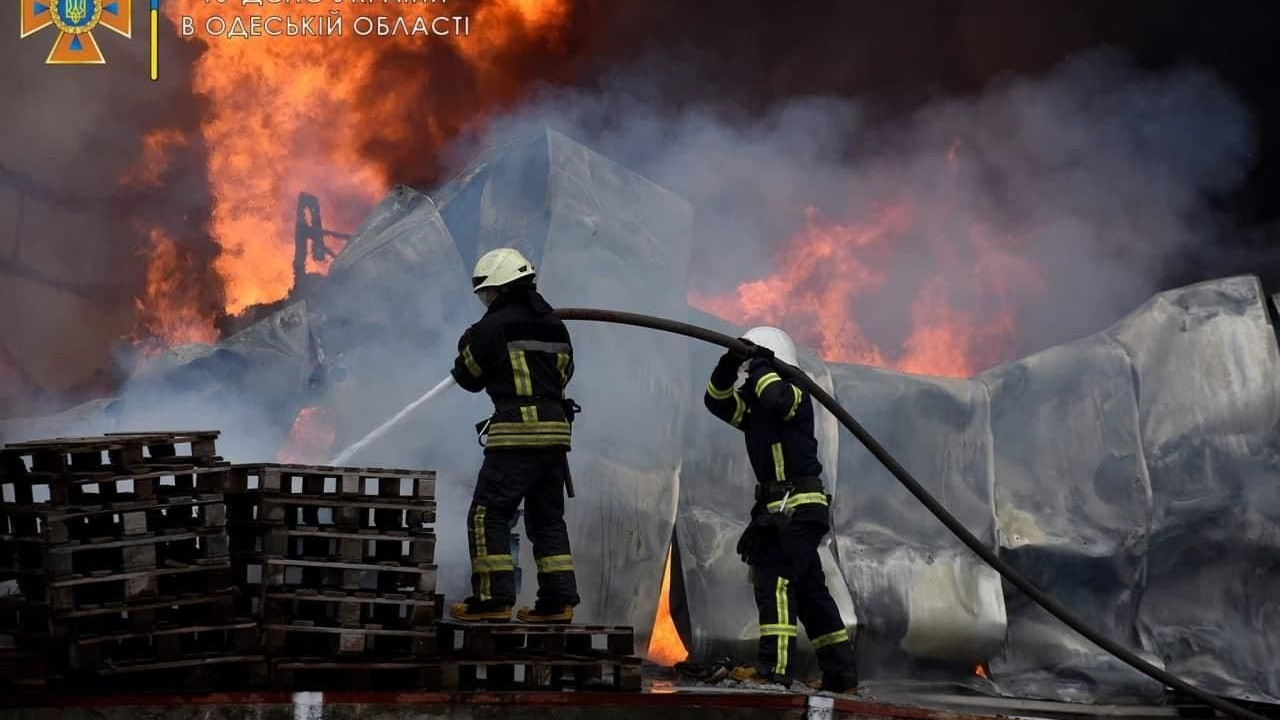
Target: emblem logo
{"points": [[75, 21]]}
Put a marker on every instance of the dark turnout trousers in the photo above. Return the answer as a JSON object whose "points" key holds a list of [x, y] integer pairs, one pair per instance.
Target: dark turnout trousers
{"points": [[507, 477], [789, 583]]}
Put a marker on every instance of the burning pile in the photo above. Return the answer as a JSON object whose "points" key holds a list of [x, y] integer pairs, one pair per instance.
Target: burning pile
{"points": [[833, 274], [283, 114]]}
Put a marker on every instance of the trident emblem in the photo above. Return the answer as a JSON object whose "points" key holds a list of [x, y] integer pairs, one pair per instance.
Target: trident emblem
{"points": [[76, 10], [75, 21]]}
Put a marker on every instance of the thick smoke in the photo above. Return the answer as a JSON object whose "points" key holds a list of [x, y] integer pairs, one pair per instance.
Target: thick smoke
{"points": [[1087, 182], [719, 66], [74, 217]]}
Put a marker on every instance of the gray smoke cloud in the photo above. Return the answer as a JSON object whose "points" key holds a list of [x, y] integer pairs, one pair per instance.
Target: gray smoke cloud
{"points": [[1094, 175]]}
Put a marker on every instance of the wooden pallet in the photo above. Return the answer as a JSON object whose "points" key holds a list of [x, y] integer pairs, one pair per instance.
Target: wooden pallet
{"points": [[326, 673], [512, 673], [219, 671], [207, 546], [163, 644], [22, 671], [351, 514], [362, 546], [42, 623], [116, 587], [338, 482], [562, 673], [490, 639], [97, 487], [289, 574], [291, 640], [338, 608], [114, 450], [89, 523]]}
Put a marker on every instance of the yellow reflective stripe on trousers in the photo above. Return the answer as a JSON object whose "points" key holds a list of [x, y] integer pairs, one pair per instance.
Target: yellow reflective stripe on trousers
{"points": [[477, 528], [719, 394], [740, 409], [800, 499], [473, 367], [555, 563], [781, 629], [529, 413], [832, 638], [493, 563], [520, 372], [765, 381], [779, 467], [795, 404], [784, 614]]}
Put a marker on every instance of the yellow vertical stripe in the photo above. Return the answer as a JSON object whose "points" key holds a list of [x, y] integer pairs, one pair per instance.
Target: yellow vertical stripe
{"points": [[562, 364], [739, 409], [155, 52], [520, 369], [779, 467], [795, 404], [473, 367], [784, 618], [529, 413], [481, 551]]}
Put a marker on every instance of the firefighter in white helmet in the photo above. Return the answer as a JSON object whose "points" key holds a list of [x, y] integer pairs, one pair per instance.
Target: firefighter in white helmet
{"points": [[520, 354], [790, 515]]}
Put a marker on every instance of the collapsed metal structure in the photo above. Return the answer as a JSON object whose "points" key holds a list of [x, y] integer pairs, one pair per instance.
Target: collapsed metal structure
{"points": [[1132, 474]]}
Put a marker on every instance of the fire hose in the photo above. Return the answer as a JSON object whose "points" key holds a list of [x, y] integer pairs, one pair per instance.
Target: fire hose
{"points": [[1007, 571]]}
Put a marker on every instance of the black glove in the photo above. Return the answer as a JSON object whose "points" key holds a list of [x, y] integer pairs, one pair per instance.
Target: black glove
{"points": [[759, 535], [571, 408], [756, 351], [726, 372]]}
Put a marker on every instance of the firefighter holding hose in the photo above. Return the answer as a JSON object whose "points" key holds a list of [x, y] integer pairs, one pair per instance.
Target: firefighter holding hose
{"points": [[790, 515], [519, 353]]}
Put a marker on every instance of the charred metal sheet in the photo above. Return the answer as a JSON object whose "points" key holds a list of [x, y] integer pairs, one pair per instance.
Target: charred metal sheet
{"points": [[1073, 504], [921, 595], [716, 494], [248, 384], [392, 309], [614, 239], [1208, 375], [399, 281], [500, 200]]}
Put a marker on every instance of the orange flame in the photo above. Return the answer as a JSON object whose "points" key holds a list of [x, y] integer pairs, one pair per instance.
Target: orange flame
{"points": [[665, 646], [169, 313], [311, 438], [830, 270], [292, 113], [157, 147]]}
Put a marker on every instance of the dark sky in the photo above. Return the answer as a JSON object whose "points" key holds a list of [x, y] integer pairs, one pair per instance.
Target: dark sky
{"points": [[899, 54]]}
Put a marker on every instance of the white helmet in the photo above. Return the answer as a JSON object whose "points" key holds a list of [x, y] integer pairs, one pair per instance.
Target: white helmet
{"points": [[774, 339], [499, 267]]}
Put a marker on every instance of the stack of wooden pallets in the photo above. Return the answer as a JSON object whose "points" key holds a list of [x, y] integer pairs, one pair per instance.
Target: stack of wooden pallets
{"points": [[518, 656], [144, 561], [348, 573], [120, 553]]}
